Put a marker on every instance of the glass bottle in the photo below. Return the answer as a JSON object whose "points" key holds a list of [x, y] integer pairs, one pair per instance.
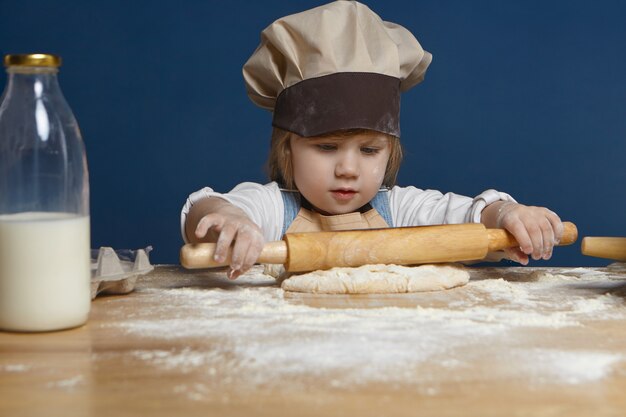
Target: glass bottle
{"points": [[45, 270]]}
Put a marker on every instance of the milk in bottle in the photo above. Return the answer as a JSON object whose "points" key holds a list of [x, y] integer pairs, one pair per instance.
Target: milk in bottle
{"points": [[44, 202]]}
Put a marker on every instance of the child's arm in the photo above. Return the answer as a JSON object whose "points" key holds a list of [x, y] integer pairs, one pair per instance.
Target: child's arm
{"points": [[537, 229], [216, 220]]}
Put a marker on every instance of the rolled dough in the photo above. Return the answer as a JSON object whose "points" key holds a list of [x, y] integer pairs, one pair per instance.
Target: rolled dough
{"points": [[379, 279]]}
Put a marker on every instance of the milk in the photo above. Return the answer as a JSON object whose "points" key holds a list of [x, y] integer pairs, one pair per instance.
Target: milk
{"points": [[45, 271]]}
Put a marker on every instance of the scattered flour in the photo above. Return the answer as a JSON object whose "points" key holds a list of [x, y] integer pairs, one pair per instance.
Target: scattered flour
{"points": [[265, 338], [501, 290], [571, 367], [542, 276], [15, 368], [68, 383], [184, 360]]}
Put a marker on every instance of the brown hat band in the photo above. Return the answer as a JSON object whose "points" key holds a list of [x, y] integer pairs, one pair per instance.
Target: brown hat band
{"points": [[340, 101]]}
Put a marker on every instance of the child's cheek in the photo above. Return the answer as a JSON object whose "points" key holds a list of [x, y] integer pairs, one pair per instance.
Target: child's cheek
{"points": [[378, 174]]}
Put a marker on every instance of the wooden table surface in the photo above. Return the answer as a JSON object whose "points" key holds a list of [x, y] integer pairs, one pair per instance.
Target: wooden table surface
{"points": [[514, 341]]}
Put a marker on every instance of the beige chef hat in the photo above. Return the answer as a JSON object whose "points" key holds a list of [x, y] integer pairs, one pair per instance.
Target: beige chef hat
{"points": [[334, 67]]}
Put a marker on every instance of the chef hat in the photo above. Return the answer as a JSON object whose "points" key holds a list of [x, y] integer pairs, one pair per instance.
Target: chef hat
{"points": [[334, 67]]}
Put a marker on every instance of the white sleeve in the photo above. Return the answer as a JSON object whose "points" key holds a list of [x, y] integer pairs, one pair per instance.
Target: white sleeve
{"points": [[262, 203], [411, 206]]}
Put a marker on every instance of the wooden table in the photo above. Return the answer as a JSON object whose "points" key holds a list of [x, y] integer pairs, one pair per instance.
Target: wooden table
{"points": [[514, 341]]}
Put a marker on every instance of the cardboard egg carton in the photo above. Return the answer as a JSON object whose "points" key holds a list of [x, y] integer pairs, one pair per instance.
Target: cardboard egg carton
{"points": [[617, 267], [116, 272]]}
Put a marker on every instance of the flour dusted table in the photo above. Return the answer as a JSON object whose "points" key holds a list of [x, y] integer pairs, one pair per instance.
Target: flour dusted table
{"points": [[514, 341]]}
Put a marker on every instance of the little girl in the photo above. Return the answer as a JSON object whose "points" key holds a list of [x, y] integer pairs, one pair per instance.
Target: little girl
{"points": [[332, 77]]}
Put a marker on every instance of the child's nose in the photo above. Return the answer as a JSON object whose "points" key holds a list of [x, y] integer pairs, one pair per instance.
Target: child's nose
{"points": [[347, 165]]}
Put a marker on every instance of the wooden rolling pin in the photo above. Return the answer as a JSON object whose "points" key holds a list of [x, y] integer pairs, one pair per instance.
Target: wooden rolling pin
{"points": [[605, 247], [301, 252]]}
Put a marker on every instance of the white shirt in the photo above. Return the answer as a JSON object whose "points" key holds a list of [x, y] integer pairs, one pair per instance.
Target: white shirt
{"points": [[409, 206]]}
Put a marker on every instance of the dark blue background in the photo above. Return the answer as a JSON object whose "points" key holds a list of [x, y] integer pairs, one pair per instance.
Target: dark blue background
{"points": [[528, 97]]}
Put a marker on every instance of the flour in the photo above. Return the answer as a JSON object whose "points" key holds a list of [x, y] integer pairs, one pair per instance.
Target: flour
{"points": [[543, 276], [571, 367], [501, 290], [18, 367], [265, 337], [67, 384], [184, 360]]}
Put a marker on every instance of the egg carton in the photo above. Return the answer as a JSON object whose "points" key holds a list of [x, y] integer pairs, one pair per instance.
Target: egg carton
{"points": [[617, 267], [116, 272]]}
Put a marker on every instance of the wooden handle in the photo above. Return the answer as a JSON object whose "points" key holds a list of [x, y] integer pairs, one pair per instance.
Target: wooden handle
{"points": [[301, 252], [605, 247], [500, 239], [200, 255]]}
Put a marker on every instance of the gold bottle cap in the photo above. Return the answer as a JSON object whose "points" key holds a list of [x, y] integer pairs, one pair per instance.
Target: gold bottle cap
{"points": [[32, 60]]}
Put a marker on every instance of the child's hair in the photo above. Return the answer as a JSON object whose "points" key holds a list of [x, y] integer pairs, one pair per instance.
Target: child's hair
{"points": [[279, 161]]}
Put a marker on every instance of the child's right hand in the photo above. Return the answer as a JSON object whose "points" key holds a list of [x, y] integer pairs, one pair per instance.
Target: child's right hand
{"points": [[228, 226], [536, 229]]}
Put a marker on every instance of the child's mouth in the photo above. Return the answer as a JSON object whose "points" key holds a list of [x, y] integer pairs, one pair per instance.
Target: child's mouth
{"points": [[343, 195]]}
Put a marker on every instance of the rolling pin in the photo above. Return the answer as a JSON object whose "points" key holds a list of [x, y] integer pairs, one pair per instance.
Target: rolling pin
{"points": [[605, 247], [300, 252]]}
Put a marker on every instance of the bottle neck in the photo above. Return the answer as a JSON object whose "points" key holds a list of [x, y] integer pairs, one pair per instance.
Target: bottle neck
{"points": [[33, 82]]}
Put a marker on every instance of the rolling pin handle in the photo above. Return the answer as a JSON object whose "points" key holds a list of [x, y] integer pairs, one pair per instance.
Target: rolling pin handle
{"points": [[200, 255], [605, 247]]}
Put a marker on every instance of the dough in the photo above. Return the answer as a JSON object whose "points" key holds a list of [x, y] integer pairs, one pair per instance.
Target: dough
{"points": [[276, 271], [379, 279]]}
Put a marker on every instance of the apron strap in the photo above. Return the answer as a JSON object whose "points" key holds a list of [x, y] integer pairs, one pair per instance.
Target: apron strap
{"points": [[291, 203], [380, 202]]}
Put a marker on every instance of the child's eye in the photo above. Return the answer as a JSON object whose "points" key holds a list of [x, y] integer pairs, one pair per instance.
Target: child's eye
{"points": [[369, 150], [326, 146]]}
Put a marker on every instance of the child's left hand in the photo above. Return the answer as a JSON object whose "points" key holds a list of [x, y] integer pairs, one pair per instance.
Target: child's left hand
{"points": [[536, 229]]}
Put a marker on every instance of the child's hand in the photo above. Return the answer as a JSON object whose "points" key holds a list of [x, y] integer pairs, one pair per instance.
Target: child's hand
{"points": [[536, 229], [229, 227]]}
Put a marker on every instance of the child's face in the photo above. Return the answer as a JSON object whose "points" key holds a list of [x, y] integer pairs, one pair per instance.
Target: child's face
{"points": [[339, 174]]}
